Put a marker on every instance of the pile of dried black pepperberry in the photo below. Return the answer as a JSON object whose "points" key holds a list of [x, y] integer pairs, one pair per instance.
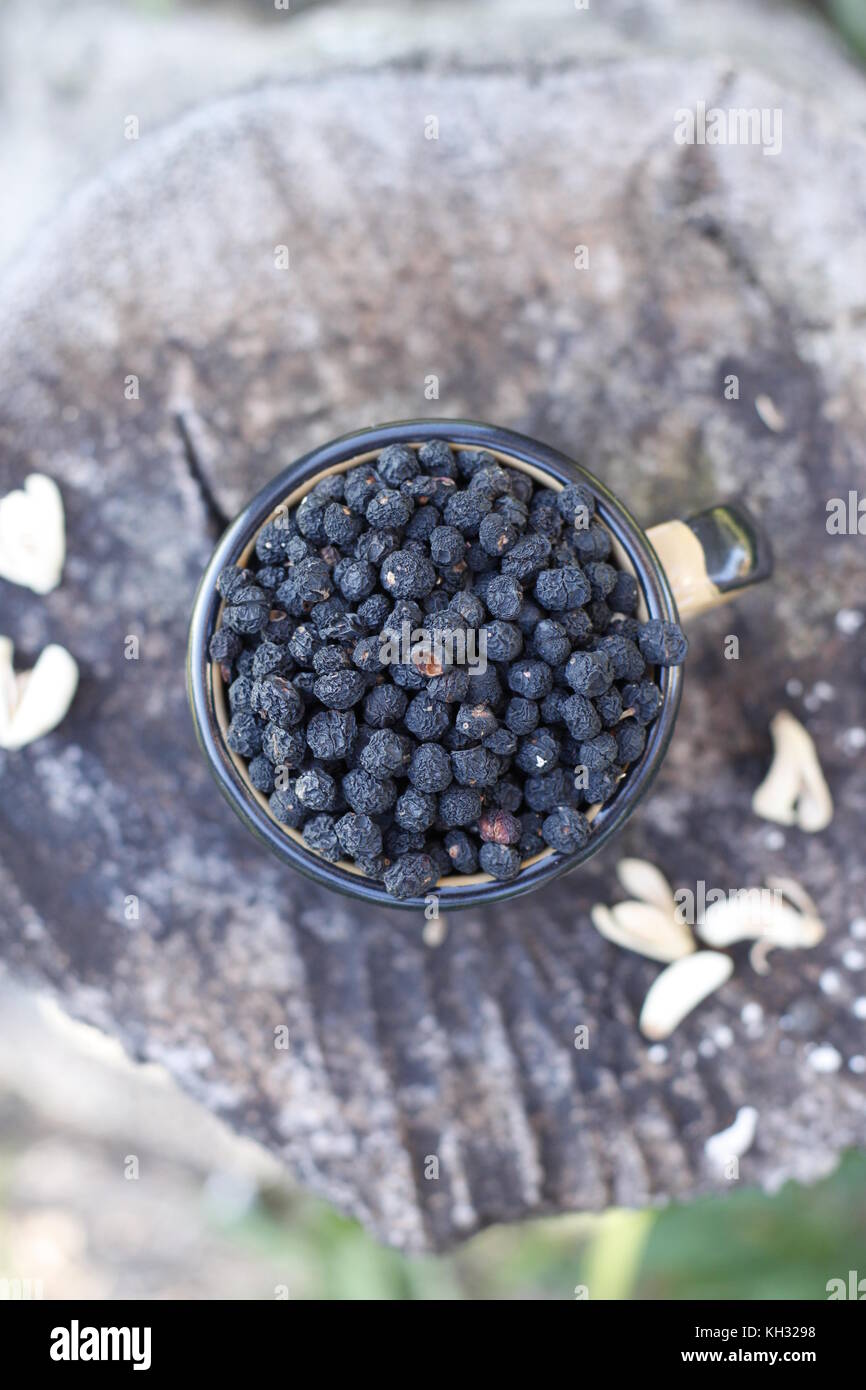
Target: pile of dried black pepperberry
{"points": [[434, 666]]}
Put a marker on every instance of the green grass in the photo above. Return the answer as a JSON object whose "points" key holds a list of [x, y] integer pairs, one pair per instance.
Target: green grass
{"points": [[745, 1245]]}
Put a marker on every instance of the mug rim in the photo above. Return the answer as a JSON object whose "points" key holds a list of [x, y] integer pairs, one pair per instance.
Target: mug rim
{"points": [[652, 580]]}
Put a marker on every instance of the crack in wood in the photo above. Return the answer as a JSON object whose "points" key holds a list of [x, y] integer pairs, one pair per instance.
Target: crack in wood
{"points": [[217, 519]]}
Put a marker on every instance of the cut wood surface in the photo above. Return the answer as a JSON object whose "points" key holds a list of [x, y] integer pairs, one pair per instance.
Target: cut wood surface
{"points": [[453, 257]]}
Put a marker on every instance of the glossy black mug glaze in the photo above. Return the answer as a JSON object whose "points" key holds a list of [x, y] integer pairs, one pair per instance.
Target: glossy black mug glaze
{"points": [[735, 554]]}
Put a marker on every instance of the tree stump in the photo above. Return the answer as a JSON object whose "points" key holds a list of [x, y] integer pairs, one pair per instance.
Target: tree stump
{"points": [[453, 258]]}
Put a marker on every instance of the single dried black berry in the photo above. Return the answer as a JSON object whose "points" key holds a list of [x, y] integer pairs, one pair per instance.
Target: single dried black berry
{"points": [[549, 641], [566, 830], [609, 706], [562, 588], [276, 699], [286, 807], [415, 810], [225, 645], [426, 718], [451, 687], [384, 706], [623, 596], [466, 510], [476, 721], [436, 457], [340, 689], [397, 463], [370, 795], [476, 767], [496, 535], [538, 753], [359, 836], [389, 510], [630, 740], [644, 698], [331, 734], [501, 641], [411, 876], [240, 693], [502, 742], [244, 734], [522, 715], [581, 717], [459, 806], [624, 656], [503, 596], [430, 768], [500, 827], [320, 835], [589, 673], [502, 861], [407, 574], [461, 851], [247, 612], [598, 752], [556, 788], [447, 545], [261, 774], [386, 754], [284, 747], [576, 505], [662, 644], [530, 678], [316, 790]]}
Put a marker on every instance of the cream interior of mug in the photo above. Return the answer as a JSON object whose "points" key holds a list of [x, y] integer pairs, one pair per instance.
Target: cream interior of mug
{"points": [[218, 689]]}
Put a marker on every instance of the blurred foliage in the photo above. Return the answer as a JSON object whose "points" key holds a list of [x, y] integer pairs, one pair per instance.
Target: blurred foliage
{"points": [[745, 1245], [850, 17]]}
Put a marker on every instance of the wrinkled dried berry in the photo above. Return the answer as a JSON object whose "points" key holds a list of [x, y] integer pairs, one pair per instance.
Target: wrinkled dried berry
{"points": [[531, 679], [499, 827], [566, 830], [331, 733], [320, 834], [340, 689], [562, 588], [644, 698], [384, 706], [662, 644], [461, 851], [411, 876], [502, 861], [370, 795], [589, 673], [407, 574], [476, 767], [459, 806], [430, 768], [316, 790], [359, 836], [387, 754], [415, 810], [286, 807]]}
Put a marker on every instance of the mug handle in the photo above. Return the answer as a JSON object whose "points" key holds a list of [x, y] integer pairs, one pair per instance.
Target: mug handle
{"points": [[713, 555]]}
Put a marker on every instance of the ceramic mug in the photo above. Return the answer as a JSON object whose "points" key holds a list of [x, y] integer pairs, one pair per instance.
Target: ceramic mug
{"points": [[681, 567]]}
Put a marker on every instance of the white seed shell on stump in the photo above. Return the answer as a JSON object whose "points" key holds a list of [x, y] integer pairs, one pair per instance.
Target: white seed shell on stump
{"points": [[643, 928], [35, 702], [33, 534], [679, 989], [734, 1141], [643, 880], [763, 917], [794, 791]]}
